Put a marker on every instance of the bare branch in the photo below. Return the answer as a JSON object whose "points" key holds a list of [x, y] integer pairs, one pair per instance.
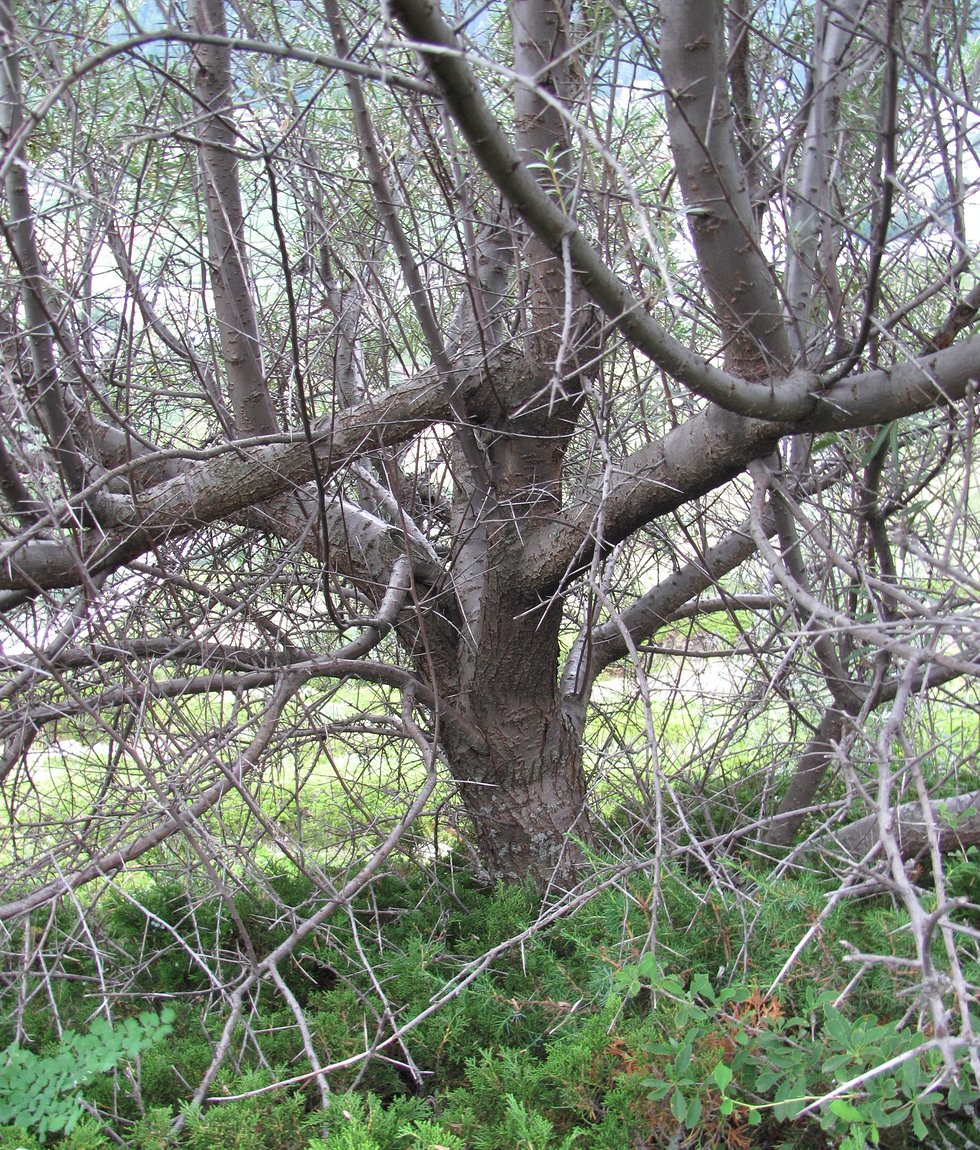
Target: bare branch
{"points": [[694, 62], [19, 232], [230, 276], [503, 165]]}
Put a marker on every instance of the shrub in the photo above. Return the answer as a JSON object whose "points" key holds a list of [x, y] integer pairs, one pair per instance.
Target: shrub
{"points": [[42, 1092], [732, 1057], [271, 1120]]}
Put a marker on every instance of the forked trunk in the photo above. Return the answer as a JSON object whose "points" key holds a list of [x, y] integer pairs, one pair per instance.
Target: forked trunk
{"points": [[524, 789], [524, 785]]}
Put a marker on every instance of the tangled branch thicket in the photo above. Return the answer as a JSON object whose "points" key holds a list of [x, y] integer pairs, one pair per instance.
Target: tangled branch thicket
{"points": [[535, 447]]}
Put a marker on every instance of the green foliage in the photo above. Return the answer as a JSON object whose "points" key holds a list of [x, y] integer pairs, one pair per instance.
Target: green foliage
{"points": [[17, 1138], [963, 878], [725, 1049], [491, 917], [522, 1129], [363, 1122], [572, 1038], [271, 1120], [188, 1049], [43, 1092], [89, 1134], [152, 1130]]}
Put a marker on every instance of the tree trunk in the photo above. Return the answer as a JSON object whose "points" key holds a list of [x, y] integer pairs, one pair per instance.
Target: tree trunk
{"points": [[817, 756], [497, 663], [525, 795]]}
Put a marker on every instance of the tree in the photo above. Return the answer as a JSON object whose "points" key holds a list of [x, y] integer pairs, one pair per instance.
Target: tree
{"points": [[511, 338]]}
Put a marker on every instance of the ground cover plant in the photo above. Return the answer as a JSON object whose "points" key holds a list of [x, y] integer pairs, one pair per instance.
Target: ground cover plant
{"points": [[489, 571], [599, 1029]]}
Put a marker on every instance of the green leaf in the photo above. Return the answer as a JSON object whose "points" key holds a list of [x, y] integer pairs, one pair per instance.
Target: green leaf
{"points": [[656, 1088], [838, 1027], [766, 1079], [648, 967], [841, 1108], [701, 984], [835, 1062], [683, 1059], [42, 1093], [911, 1075], [722, 1075]]}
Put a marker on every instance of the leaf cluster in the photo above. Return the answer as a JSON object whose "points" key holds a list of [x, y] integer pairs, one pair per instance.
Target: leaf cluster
{"points": [[44, 1091]]}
